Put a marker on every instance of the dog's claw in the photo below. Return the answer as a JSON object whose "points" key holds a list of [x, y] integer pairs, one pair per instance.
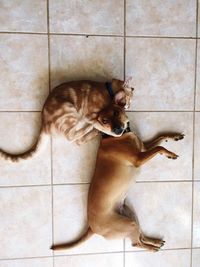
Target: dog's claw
{"points": [[179, 137], [173, 156]]}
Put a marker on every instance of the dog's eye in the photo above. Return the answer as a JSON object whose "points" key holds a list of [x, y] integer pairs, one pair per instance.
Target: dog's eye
{"points": [[116, 113], [104, 121]]}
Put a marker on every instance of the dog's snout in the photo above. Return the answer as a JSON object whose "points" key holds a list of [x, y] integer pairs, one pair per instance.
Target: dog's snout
{"points": [[118, 130]]}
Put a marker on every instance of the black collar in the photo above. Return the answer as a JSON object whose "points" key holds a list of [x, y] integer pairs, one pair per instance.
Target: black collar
{"points": [[109, 89]]}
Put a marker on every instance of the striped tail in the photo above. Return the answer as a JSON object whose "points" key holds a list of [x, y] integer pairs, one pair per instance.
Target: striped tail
{"points": [[75, 243], [25, 155]]}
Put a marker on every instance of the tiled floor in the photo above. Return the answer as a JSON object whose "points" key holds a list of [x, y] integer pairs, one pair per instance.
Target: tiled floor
{"points": [[43, 43]]}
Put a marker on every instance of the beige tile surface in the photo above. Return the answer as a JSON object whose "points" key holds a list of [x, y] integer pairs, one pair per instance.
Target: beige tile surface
{"points": [[163, 210], [196, 215], [23, 72], [163, 73], [101, 58], [25, 226], [23, 16], [106, 260], [47, 262], [198, 20], [163, 258], [18, 132], [73, 163], [70, 205], [198, 79], [158, 18], [197, 147], [195, 257], [93, 17], [147, 125]]}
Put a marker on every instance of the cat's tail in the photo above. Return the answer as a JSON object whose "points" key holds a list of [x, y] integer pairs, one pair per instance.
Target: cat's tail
{"points": [[75, 243], [24, 155]]}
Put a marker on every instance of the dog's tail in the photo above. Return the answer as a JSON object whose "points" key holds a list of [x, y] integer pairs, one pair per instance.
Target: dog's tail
{"points": [[24, 155], [75, 243]]}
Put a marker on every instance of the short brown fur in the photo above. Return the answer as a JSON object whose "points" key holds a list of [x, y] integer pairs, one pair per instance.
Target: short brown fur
{"points": [[108, 216], [78, 111]]}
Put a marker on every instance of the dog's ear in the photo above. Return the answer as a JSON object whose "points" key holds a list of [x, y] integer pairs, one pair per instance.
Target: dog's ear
{"points": [[120, 98]]}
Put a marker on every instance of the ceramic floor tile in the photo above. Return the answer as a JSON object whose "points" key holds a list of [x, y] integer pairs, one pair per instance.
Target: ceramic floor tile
{"points": [[196, 215], [73, 163], [195, 257], [163, 258], [25, 226], [92, 17], [199, 19], [163, 210], [23, 72], [106, 260], [198, 79], [101, 58], [18, 132], [163, 73], [147, 125], [70, 205], [158, 18], [197, 147], [23, 16], [38, 262]]}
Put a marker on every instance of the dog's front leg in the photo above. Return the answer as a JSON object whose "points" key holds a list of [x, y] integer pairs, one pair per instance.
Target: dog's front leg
{"points": [[164, 137], [143, 157]]}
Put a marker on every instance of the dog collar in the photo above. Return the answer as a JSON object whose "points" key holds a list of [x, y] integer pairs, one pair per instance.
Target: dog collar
{"points": [[109, 89]]}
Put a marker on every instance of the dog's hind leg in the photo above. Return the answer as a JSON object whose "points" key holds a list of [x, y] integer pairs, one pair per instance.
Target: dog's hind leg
{"points": [[142, 241], [164, 137]]}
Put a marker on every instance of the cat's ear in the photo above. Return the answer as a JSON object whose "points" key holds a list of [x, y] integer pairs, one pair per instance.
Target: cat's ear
{"points": [[127, 82], [120, 98]]}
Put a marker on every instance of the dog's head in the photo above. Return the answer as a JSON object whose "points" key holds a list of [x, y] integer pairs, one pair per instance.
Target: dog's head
{"points": [[112, 120], [123, 92]]}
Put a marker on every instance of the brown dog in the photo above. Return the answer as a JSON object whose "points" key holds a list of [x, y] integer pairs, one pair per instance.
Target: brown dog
{"points": [[108, 216], [80, 109]]}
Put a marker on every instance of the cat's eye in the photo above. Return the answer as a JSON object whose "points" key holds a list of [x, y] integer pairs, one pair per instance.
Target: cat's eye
{"points": [[116, 113], [104, 121]]}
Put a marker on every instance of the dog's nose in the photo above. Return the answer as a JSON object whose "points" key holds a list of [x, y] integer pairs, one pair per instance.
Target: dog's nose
{"points": [[118, 130]]}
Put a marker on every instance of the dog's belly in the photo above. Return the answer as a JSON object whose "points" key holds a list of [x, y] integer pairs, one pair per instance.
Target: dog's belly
{"points": [[108, 191]]}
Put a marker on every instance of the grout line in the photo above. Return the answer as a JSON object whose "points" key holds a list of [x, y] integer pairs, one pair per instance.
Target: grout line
{"points": [[166, 181], [20, 111], [167, 249], [124, 39], [88, 183], [31, 185], [133, 111], [193, 146], [39, 111], [161, 37], [28, 33], [101, 35], [154, 111], [88, 254], [26, 258], [124, 246], [51, 140]]}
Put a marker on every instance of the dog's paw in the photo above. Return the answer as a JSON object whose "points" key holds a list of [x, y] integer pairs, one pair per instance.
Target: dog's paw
{"points": [[172, 156], [178, 137]]}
